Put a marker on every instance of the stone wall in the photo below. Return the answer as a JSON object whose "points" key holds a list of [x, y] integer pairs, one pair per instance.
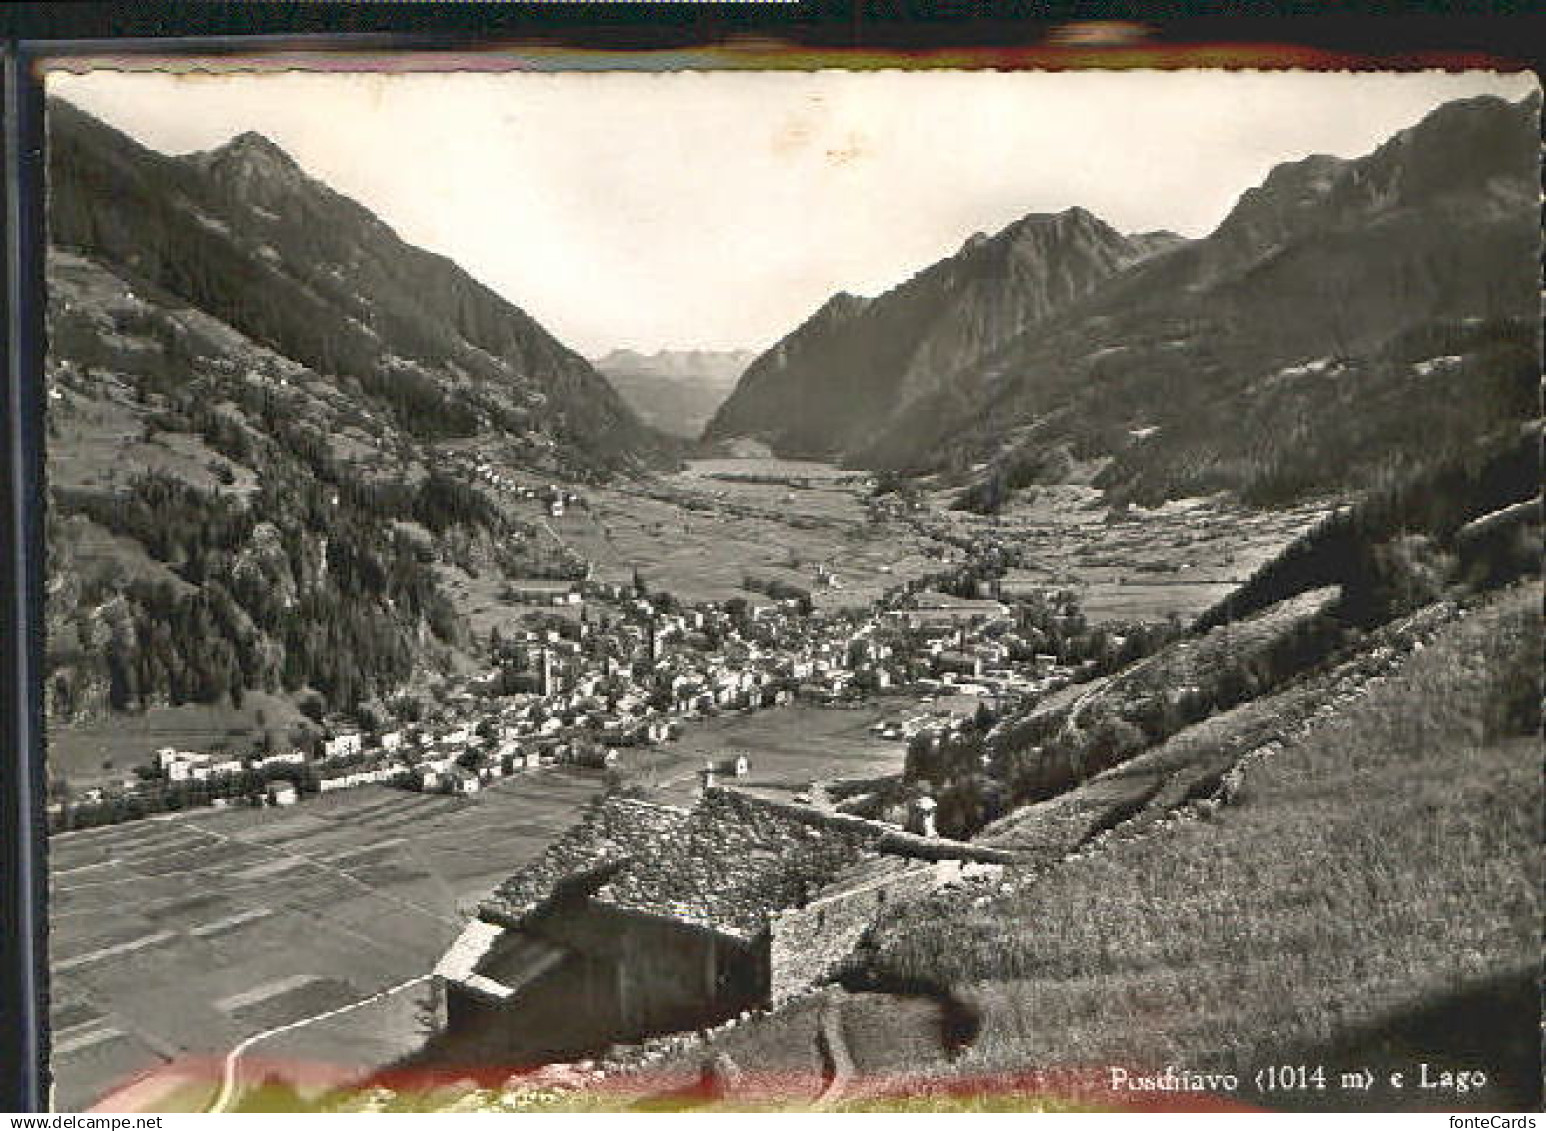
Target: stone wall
{"points": [[881, 835], [806, 944]]}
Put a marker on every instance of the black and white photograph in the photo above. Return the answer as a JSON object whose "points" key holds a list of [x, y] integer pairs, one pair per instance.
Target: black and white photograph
{"points": [[806, 589]]}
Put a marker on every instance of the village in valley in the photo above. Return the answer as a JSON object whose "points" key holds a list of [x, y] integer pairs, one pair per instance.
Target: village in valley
{"points": [[604, 669], [587, 690]]}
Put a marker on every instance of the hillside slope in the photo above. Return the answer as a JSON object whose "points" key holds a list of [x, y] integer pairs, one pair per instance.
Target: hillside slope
{"points": [[1370, 895], [243, 234]]}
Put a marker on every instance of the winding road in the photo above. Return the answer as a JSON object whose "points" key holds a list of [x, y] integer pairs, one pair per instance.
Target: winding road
{"points": [[231, 1068]]}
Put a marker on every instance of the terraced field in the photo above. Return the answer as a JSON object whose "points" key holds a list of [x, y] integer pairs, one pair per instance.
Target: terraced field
{"points": [[174, 939]]}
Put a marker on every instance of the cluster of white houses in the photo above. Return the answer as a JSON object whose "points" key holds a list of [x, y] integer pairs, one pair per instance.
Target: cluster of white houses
{"points": [[552, 497], [631, 671]]}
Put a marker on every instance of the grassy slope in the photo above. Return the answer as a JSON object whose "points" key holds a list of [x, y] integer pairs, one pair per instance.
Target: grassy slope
{"points": [[1386, 862]]}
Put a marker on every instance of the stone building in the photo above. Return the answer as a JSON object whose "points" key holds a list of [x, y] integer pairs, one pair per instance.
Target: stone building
{"points": [[645, 919]]}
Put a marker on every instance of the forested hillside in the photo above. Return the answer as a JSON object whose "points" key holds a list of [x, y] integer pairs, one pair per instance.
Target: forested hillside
{"points": [[1347, 322], [261, 409]]}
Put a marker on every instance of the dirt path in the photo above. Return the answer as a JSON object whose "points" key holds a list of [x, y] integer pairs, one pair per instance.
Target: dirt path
{"points": [[837, 1061]]}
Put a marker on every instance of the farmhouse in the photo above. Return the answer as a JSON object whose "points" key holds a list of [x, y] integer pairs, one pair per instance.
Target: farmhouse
{"points": [[645, 919]]}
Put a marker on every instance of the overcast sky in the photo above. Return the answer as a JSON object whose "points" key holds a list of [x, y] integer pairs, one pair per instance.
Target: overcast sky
{"points": [[719, 210]]}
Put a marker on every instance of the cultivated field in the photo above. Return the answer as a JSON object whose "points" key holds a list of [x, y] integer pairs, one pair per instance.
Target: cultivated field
{"points": [[699, 536], [1138, 564], [699, 533], [788, 748], [178, 938]]}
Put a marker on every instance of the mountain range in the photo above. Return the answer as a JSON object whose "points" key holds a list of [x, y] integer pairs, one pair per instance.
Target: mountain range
{"points": [[675, 391], [1348, 317]]}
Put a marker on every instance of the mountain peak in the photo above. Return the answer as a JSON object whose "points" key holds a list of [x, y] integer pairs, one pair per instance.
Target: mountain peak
{"points": [[973, 242], [856, 362], [842, 305], [1075, 219], [250, 156]]}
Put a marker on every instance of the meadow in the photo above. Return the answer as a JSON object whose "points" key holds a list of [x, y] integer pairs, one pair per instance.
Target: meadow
{"points": [[109, 749], [1137, 563], [787, 747], [699, 537]]}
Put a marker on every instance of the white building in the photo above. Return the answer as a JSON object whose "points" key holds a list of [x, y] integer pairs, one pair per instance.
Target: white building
{"points": [[282, 793], [343, 745]]}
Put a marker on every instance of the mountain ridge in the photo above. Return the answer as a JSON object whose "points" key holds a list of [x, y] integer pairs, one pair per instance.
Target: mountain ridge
{"points": [[280, 255]]}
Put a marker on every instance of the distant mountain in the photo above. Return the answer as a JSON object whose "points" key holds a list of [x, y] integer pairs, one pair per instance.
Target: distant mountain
{"points": [[836, 383], [675, 391]]}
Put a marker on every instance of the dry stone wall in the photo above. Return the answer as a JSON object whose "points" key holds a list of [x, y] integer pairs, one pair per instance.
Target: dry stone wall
{"points": [[807, 944]]}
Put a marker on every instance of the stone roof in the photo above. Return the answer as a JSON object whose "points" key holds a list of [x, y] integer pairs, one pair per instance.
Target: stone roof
{"points": [[726, 864]]}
